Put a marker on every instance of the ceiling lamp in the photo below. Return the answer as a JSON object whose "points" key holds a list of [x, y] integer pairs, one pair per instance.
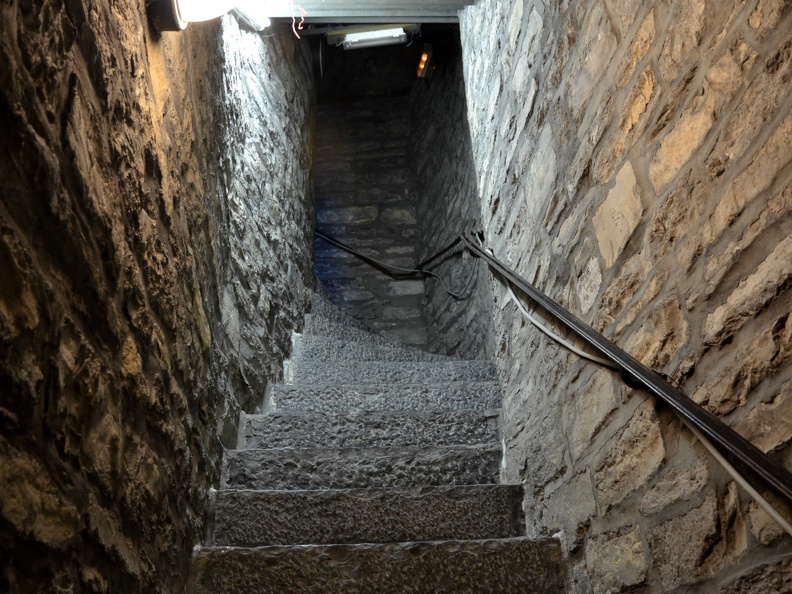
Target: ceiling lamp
{"points": [[375, 38], [174, 15]]}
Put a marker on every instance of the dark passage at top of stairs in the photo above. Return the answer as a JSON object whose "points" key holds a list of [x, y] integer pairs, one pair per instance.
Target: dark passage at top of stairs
{"points": [[374, 469]]}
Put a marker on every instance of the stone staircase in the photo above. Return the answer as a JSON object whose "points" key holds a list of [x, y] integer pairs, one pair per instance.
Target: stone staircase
{"points": [[374, 469]]}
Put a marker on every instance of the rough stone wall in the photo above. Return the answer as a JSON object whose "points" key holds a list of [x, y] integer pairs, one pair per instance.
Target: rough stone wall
{"points": [[365, 197], [633, 160], [447, 199], [149, 247]]}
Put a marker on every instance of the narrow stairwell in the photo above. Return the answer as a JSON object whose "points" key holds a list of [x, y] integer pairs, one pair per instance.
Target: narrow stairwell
{"points": [[374, 469]]}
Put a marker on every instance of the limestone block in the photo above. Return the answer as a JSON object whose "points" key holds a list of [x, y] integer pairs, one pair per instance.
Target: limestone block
{"points": [[752, 295], [348, 215], [131, 363], [644, 38], [682, 141], [589, 285], [764, 528], [766, 15], [618, 216], [661, 336], [515, 24], [770, 348], [769, 424], [532, 36], [593, 54], [398, 216], [540, 174], [31, 502], [770, 578], [674, 221], [720, 263], [591, 406], [402, 288], [626, 11], [616, 561], [633, 460], [634, 109], [678, 544], [753, 181], [534, 445], [570, 508], [682, 37], [19, 309], [677, 484]]}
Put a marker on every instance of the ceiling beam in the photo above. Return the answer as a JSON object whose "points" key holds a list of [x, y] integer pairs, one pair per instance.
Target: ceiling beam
{"points": [[368, 11], [329, 17]]}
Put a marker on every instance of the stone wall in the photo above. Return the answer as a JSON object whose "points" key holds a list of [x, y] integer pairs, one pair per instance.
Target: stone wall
{"points": [[153, 260], [633, 161], [447, 200], [365, 197]]}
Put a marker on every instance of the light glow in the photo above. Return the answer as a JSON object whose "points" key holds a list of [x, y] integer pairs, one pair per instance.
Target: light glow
{"points": [[255, 12], [195, 11], [426, 57]]}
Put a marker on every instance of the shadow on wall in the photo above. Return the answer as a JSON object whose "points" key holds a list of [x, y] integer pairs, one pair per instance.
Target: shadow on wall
{"points": [[152, 269]]}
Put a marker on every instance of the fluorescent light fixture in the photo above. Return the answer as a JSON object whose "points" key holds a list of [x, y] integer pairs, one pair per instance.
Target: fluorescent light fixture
{"points": [[375, 38], [174, 15]]}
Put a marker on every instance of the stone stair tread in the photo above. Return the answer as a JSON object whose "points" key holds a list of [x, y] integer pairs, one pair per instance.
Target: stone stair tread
{"points": [[348, 468], [257, 518], [344, 397], [370, 429], [322, 348], [321, 306], [389, 372], [318, 325], [497, 566]]}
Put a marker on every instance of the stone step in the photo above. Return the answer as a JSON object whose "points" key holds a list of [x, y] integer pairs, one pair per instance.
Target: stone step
{"points": [[325, 308], [502, 566], [375, 372], [373, 429], [257, 518], [372, 397], [321, 348], [317, 325], [360, 468]]}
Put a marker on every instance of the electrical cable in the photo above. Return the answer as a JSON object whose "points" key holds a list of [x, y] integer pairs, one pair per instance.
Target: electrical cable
{"points": [[563, 342], [739, 479], [412, 34]]}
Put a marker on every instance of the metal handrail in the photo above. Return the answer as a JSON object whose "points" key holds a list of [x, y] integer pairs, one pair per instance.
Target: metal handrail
{"points": [[712, 427]]}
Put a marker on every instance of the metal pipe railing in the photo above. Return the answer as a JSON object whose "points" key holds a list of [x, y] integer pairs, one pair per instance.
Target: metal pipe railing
{"points": [[710, 426]]}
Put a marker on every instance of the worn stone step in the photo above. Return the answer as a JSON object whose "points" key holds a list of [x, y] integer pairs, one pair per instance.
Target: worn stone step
{"points": [[389, 397], [356, 468], [256, 518], [388, 372], [502, 566], [372, 429], [320, 306], [321, 348], [317, 325]]}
